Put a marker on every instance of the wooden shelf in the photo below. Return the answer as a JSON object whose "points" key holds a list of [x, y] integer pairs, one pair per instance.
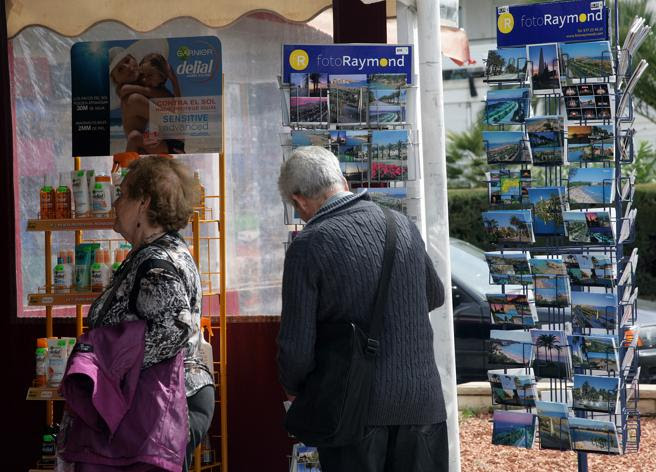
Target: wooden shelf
{"points": [[43, 394], [71, 224], [69, 298]]}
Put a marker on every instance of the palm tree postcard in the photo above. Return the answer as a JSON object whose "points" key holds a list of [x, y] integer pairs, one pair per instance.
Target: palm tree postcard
{"points": [[509, 268], [513, 226], [507, 106], [310, 137], [347, 98], [387, 106], [512, 428], [553, 420], [389, 144], [594, 436], [308, 85], [506, 65], [512, 389], [350, 146], [507, 186], [542, 266], [544, 68], [594, 310], [512, 309], [509, 348], [591, 185], [586, 60], [594, 352], [551, 354], [590, 270], [506, 147], [305, 459], [595, 393], [548, 205], [551, 291]]}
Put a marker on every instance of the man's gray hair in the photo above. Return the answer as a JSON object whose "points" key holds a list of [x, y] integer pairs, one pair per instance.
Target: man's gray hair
{"points": [[310, 171]]}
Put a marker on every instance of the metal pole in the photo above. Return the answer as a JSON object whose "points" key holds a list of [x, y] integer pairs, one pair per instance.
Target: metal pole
{"points": [[433, 138]]}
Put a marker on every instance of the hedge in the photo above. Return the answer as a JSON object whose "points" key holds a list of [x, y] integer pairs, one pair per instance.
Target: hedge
{"points": [[465, 222]]}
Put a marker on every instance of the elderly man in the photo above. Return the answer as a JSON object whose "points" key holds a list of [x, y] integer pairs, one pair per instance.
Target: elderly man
{"points": [[332, 269]]}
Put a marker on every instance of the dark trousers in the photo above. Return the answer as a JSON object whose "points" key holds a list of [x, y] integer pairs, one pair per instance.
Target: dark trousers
{"points": [[417, 448], [201, 411]]}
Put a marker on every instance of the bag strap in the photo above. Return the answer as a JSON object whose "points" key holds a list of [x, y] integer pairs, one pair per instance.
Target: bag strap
{"points": [[383, 284]]}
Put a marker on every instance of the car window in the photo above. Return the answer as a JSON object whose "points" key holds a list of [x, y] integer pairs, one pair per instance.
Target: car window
{"points": [[468, 265]]}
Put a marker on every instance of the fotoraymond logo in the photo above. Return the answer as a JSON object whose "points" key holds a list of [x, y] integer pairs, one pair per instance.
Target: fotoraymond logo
{"points": [[506, 21], [300, 60]]}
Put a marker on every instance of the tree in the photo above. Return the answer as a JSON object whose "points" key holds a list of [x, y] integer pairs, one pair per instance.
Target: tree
{"points": [[466, 158], [548, 342]]}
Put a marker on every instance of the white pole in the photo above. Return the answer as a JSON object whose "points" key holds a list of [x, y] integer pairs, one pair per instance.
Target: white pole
{"points": [[429, 47]]}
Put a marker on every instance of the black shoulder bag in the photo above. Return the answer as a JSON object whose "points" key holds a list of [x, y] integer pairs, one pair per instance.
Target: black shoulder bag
{"points": [[332, 407]]}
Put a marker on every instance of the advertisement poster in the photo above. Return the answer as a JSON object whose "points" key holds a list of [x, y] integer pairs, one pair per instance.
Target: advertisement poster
{"points": [[151, 96], [347, 59], [558, 22]]}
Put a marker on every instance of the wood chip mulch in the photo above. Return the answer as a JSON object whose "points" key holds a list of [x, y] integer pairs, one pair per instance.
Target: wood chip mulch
{"points": [[477, 454]]}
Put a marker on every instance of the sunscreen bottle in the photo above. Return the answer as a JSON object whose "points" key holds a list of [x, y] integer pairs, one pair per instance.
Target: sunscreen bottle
{"points": [[80, 192], [63, 204], [46, 200], [41, 378], [101, 197]]}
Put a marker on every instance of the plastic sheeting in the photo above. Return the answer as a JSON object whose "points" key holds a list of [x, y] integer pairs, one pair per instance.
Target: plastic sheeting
{"points": [[251, 64]]}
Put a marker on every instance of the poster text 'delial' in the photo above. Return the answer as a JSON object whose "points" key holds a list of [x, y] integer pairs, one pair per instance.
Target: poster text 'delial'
{"points": [[552, 22]]}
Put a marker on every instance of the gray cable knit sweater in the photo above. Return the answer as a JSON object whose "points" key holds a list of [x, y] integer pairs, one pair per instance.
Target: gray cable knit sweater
{"points": [[331, 273]]}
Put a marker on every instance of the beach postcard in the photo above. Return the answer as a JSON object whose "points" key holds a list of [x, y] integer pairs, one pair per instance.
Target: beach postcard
{"points": [[513, 389], [513, 226], [594, 352], [509, 268], [347, 92], [506, 186], [548, 205], [586, 60], [513, 428], [387, 106], [506, 147], [590, 270], [506, 65], [509, 348], [551, 291], [594, 310], [512, 309], [387, 81], [595, 393], [551, 354], [594, 436], [544, 68], [308, 137], [394, 198], [546, 139], [350, 146], [591, 185], [553, 421], [543, 266], [507, 106]]}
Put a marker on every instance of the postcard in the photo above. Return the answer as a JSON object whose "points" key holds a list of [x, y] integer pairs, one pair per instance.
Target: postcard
{"points": [[507, 106], [512, 428], [594, 436], [544, 68], [506, 147], [551, 291], [308, 109], [594, 143], [551, 354], [507, 187], [509, 268], [594, 310], [594, 352], [589, 227], [506, 65], [543, 266], [548, 205], [546, 138], [350, 146], [387, 105], [509, 348], [590, 270], [308, 85], [512, 309], [305, 458], [591, 185], [389, 170], [553, 425], [389, 144], [595, 393], [347, 94], [586, 60], [387, 81], [309, 137], [394, 198], [513, 389], [509, 225]]}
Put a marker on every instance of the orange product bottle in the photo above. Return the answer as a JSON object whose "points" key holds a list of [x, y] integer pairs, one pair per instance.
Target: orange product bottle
{"points": [[47, 200], [41, 378], [63, 201]]}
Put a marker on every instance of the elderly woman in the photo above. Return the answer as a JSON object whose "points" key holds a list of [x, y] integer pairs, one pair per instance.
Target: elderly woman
{"points": [[159, 281]]}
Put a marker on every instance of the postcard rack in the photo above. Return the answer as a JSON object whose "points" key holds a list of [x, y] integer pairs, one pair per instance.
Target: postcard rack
{"points": [[585, 348]]}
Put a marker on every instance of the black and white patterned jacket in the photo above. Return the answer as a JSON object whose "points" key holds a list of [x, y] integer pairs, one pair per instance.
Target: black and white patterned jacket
{"points": [[169, 299]]}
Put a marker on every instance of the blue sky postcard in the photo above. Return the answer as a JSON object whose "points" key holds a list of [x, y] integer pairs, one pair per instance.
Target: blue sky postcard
{"points": [[309, 137], [544, 68], [594, 436], [512, 428], [543, 266], [394, 198], [387, 106], [586, 60], [387, 81], [553, 421], [350, 146], [591, 185], [506, 147], [512, 389], [594, 353], [551, 354], [590, 270], [513, 226], [389, 144], [595, 393], [506, 65], [594, 310], [512, 309], [509, 348], [507, 106], [551, 291], [509, 268], [548, 204]]}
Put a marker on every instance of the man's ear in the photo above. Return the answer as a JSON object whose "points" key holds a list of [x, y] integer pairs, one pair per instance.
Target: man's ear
{"points": [[300, 201]]}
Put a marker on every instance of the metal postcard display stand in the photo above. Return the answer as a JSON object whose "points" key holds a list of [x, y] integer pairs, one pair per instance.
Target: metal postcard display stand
{"points": [[595, 372]]}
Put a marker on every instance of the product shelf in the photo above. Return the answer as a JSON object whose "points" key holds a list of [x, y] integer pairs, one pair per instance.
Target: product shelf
{"points": [[43, 394], [71, 224], [57, 299]]}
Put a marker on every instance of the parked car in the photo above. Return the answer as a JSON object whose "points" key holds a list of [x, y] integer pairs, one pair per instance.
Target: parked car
{"points": [[470, 282]]}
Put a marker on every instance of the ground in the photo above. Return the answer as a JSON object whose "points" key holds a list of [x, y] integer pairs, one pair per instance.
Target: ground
{"points": [[477, 454]]}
